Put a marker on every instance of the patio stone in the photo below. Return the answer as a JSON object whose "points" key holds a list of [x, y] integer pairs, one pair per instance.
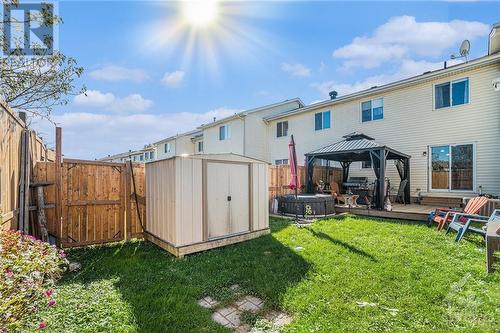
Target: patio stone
{"points": [[220, 319], [250, 303], [234, 318], [243, 329], [226, 311], [278, 318], [207, 302], [254, 300]]}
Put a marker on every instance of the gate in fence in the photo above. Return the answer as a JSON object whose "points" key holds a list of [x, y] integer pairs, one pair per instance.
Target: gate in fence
{"points": [[98, 201]]}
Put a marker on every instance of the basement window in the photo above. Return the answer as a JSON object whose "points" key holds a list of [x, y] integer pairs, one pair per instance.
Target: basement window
{"points": [[281, 162]]}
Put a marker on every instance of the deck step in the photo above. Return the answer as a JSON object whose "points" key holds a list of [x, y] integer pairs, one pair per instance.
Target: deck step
{"points": [[441, 201]]}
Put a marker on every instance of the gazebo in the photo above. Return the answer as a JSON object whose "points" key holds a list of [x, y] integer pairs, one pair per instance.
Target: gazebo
{"points": [[357, 147]]}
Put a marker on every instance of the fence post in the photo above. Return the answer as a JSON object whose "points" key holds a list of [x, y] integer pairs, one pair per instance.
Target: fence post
{"points": [[128, 203], [58, 181]]}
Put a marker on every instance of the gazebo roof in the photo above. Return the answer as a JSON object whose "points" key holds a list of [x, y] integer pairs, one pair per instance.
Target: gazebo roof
{"points": [[354, 147]]}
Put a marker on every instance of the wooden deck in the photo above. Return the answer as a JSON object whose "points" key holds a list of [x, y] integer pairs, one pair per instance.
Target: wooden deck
{"points": [[405, 212]]}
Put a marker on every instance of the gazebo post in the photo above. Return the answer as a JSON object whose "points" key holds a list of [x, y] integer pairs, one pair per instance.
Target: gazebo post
{"points": [[381, 180], [309, 173], [407, 174]]}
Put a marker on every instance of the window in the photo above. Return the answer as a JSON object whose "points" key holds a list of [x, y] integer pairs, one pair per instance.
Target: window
{"points": [[141, 157], [224, 132], [372, 110], [322, 120], [451, 93], [281, 162], [200, 146], [452, 167], [135, 158], [168, 147], [366, 164], [151, 155], [282, 129]]}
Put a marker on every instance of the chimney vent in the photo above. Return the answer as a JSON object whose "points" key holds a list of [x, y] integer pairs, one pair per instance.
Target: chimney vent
{"points": [[494, 42], [333, 94]]}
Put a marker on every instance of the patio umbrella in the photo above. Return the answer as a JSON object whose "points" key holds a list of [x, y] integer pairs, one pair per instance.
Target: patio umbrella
{"points": [[294, 179]]}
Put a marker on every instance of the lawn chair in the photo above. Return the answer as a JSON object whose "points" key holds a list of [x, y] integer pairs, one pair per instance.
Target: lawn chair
{"points": [[442, 216], [461, 228], [336, 193]]}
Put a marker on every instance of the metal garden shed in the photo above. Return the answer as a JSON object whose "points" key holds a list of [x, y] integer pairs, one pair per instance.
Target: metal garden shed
{"points": [[198, 202]]}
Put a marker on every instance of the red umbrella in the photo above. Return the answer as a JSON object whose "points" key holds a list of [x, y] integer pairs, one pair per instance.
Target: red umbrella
{"points": [[292, 157]]}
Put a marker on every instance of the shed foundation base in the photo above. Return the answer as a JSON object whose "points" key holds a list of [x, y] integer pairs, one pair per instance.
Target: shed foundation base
{"points": [[181, 251]]}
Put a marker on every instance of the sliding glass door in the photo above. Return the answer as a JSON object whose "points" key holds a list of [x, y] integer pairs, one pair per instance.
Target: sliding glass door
{"points": [[452, 167]]}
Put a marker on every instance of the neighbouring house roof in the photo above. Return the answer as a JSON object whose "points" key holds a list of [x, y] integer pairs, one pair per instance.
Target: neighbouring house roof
{"points": [[127, 154], [246, 112], [354, 147], [427, 76], [193, 133]]}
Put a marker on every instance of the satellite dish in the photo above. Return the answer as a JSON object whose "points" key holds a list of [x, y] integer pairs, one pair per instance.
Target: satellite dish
{"points": [[465, 48], [464, 51]]}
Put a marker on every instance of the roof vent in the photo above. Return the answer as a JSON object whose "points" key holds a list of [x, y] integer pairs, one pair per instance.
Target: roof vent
{"points": [[494, 42], [333, 94]]}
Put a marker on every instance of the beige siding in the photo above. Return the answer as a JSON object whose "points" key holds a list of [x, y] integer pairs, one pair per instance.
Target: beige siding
{"points": [[234, 144], [411, 125]]}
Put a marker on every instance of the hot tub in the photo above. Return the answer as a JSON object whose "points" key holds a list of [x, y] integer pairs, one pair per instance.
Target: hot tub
{"points": [[307, 205]]}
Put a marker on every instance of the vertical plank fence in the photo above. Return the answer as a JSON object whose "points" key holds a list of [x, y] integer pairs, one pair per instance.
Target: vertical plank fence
{"points": [[279, 178], [97, 201]]}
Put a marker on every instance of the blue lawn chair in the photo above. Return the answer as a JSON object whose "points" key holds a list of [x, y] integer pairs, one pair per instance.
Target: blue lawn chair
{"points": [[461, 228]]}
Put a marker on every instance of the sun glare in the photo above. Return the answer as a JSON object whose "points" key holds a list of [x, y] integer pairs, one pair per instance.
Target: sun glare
{"points": [[200, 12]]}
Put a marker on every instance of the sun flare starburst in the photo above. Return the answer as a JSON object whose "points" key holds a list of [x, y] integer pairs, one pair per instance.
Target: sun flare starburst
{"points": [[200, 12]]}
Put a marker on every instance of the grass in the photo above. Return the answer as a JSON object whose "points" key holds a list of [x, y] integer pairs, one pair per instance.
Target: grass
{"points": [[353, 275]]}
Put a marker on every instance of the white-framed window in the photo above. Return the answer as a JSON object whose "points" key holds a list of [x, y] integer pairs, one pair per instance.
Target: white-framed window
{"points": [[281, 129], [200, 146], [281, 162], [372, 110], [452, 167], [322, 120], [224, 132], [451, 93], [366, 164], [151, 155], [167, 147], [141, 157], [134, 158]]}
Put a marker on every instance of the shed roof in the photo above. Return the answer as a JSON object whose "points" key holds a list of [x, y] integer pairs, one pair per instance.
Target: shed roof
{"points": [[354, 147]]}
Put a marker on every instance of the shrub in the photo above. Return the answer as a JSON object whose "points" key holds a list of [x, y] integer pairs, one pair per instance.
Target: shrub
{"points": [[28, 271]]}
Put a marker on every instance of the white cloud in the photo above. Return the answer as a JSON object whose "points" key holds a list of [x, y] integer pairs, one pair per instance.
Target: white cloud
{"points": [[406, 69], [94, 98], [296, 69], [118, 73], [173, 79], [402, 37], [108, 101], [93, 135]]}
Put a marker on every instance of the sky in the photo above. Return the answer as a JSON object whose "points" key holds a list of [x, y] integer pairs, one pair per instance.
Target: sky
{"points": [[152, 71]]}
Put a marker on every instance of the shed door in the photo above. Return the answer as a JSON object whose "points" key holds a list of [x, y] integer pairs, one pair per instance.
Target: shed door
{"points": [[227, 199]]}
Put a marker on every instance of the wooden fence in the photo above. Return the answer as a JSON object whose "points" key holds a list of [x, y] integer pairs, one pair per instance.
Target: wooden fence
{"points": [[97, 201], [16, 163], [279, 178]]}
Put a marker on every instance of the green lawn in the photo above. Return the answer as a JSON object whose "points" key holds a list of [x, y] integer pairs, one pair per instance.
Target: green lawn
{"points": [[433, 283]]}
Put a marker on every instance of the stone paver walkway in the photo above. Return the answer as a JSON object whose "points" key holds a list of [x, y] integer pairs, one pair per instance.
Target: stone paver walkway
{"points": [[230, 316]]}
